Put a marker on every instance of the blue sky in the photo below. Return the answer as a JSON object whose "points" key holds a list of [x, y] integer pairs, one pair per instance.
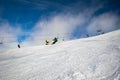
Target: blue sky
{"points": [[33, 20]]}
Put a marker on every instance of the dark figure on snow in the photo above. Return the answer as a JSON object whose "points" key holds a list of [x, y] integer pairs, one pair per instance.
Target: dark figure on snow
{"points": [[55, 40], [18, 45]]}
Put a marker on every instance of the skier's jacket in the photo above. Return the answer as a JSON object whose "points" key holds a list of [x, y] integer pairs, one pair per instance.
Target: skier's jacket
{"points": [[47, 42], [55, 40], [18, 46]]}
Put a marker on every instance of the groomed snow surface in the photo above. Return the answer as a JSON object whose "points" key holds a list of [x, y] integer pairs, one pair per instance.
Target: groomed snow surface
{"points": [[94, 58]]}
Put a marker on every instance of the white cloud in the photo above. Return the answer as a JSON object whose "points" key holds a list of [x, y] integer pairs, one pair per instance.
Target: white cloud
{"points": [[61, 25], [8, 34], [106, 22]]}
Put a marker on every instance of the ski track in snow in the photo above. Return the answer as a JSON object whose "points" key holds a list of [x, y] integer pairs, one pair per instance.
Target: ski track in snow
{"points": [[95, 58]]}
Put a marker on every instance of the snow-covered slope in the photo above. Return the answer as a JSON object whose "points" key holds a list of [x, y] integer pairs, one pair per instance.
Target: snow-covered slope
{"points": [[95, 58]]}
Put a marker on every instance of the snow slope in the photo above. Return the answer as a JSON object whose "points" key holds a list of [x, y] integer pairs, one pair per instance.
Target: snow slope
{"points": [[95, 58]]}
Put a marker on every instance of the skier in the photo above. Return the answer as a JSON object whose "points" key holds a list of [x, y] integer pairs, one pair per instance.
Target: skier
{"points": [[18, 45], [47, 42], [55, 40]]}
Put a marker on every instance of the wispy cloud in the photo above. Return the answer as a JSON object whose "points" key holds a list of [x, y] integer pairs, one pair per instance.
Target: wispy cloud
{"points": [[60, 26], [9, 34], [38, 4], [64, 24], [71, 6], [105, 22]]}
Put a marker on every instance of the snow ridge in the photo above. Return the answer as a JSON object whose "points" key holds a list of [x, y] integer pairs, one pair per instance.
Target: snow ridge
{"points": [[94, 58]]}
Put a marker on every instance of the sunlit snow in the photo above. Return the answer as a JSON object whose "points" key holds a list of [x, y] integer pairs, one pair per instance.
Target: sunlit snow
{"points": [[94, 58]]}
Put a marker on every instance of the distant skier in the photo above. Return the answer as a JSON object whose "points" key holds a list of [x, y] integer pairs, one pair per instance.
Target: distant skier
{"points": [[18, 45], [55, 40], [47, 42]]}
